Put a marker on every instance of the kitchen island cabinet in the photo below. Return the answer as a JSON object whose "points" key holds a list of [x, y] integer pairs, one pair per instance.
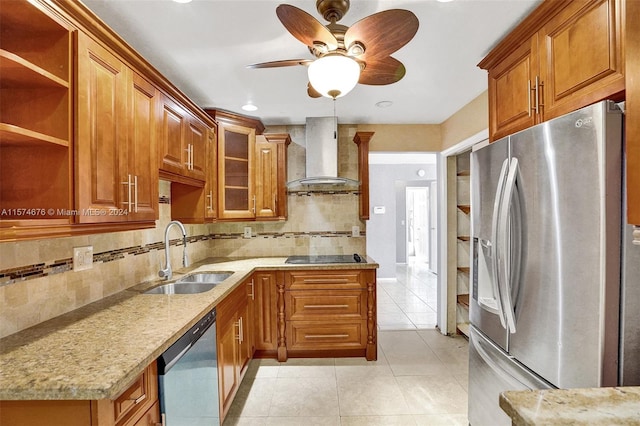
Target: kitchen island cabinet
{"points": [[327, 313]]}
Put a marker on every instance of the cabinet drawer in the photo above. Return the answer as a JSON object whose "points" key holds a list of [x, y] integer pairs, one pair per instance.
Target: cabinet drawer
{"points": [[137, 398], [320, 280], [324, 305], [310, 335]]}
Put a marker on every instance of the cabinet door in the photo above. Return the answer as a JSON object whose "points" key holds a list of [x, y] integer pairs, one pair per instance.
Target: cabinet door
{"points": [[171, 136], [266, 179], [228, 371], [195, 151], [211, 184], [236, 196], [581, 56], [265, 311], [102, 132], [511, 99], [246, 334], [142, 170], [632, 123]]}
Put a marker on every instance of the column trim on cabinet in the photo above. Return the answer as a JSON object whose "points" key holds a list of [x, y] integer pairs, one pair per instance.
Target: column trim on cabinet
{"points": [[362, 139]]}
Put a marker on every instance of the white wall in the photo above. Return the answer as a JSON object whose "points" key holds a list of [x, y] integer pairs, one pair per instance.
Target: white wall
{"points": [[388, 174]]}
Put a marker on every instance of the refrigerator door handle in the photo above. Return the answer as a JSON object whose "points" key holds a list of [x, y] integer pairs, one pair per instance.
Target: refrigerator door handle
{"points": [[495, 276], [503, 234]]}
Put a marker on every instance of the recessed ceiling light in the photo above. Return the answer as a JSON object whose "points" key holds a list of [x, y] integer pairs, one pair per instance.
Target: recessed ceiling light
{"points": [[444, 1], [249, 107], [182, 1], [384, 104]]}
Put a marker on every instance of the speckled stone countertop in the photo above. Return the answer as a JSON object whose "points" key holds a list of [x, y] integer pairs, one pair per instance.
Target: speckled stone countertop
{"points": [[96, 351], [589, 406]]}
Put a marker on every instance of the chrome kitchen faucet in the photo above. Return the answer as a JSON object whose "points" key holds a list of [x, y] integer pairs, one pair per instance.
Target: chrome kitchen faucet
{"points": [[167, 273]]}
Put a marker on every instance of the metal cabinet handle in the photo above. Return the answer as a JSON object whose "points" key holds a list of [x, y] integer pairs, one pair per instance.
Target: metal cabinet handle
{"points": [[241, 330], [529, 89], [210, 197], [128, 202], [537, 97], [253, 293], [239, 325], [135, 193], [254, 204], [326, 306]]}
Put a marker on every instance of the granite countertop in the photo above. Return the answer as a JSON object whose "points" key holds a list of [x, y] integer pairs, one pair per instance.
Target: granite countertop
{"points": [[96, 351], [589, 406]]}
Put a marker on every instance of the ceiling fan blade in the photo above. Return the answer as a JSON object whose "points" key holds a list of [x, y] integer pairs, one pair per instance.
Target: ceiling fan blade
{"points": [[379, 72], [382, 33], [312, 92], [305, 27], [284, 63]]}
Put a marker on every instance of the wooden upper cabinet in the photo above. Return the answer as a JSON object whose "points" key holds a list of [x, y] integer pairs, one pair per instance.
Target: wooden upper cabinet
{"points": [[116, 177], [266, 178], [565, 55], [173, 121], [271, 175], [582, 56], [512, 90], [236, 194], [102, 133], [197, 138], [142, 169]]}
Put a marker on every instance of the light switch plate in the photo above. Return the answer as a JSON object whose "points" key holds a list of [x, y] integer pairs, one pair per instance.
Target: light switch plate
{"points": [[82, 258], [247, 232], [355, 231]]}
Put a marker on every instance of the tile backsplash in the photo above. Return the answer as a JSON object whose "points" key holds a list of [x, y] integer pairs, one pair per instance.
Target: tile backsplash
{"points": [[37, 281]]}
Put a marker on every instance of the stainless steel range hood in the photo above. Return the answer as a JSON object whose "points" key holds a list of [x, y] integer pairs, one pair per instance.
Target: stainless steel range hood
{"points": [[322, 155]]}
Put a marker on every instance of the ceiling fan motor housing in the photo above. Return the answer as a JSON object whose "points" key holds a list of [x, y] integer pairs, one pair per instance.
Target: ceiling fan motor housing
{"points": [[332, 10]]}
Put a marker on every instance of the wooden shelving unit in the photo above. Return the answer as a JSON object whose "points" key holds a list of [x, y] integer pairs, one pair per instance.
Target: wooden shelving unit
{"points": [[463, 200], [36, 147]]}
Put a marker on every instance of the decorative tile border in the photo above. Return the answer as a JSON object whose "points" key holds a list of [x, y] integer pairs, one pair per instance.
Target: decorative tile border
{"points": [[38, 270]]}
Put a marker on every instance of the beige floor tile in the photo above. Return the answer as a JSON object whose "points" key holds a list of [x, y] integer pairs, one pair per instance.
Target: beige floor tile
{"points": [[245, 421], [405, 420], [416, 364], [361, 396], [308, 367], [300, 397], [303, 421], [435, 339], [263, 367], [389, 308], [463, 379], [433, 394], [442, 420], [253, 398]]}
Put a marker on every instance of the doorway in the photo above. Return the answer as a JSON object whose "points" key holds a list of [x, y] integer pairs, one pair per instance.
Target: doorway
{"points": [[418, 226]]}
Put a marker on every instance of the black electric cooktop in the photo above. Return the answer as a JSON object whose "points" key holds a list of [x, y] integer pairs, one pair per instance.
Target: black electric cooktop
{"points": [[329, 258]]}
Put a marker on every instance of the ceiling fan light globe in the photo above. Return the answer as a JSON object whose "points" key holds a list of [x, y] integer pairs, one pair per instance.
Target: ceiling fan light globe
{"points": [[333, 74]]}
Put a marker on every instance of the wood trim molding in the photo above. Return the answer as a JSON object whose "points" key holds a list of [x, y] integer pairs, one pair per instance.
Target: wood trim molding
{"points": [[228, 117], [362, 139], [523, 31], [84, 19], [282, 340]]}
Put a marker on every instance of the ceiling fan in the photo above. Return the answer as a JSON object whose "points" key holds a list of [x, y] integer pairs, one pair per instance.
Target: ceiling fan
{"points": [[345, 55]]}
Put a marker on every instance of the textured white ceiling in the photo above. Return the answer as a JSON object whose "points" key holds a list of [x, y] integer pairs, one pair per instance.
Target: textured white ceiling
{"points": [[204, 46]]}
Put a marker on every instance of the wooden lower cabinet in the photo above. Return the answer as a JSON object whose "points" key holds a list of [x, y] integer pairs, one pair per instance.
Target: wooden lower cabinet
{"points": [[135, 406], [265, 313], [235, 346], [327, 313]]}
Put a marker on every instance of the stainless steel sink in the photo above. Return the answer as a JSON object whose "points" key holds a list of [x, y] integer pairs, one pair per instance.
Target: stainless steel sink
{"points": [[192, 284], [181, 288], [206, 277]]}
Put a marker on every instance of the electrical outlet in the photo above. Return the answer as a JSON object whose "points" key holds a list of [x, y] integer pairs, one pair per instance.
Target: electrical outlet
{"points": [[355, 231], [247, 232], [82, 258]]}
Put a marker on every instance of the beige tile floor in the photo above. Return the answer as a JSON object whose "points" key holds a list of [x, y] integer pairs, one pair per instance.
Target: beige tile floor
{"points": [[420, 377], [408, 302]]}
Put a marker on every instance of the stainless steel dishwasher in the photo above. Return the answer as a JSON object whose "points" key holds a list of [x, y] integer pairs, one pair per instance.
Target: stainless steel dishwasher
{"points": [[188, 377]]}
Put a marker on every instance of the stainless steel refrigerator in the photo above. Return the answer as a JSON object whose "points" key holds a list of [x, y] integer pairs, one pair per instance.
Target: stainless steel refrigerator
{"points": [[548, 276]]}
